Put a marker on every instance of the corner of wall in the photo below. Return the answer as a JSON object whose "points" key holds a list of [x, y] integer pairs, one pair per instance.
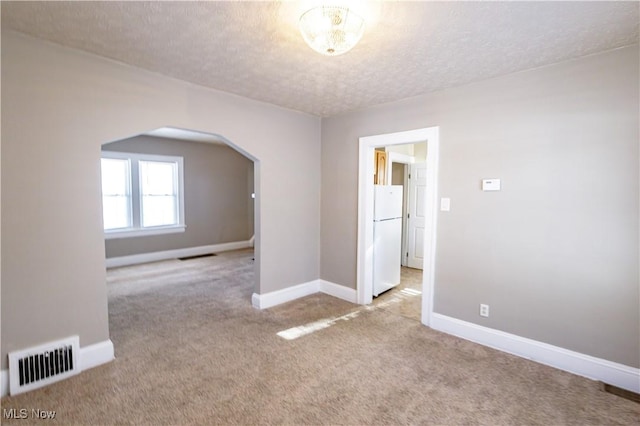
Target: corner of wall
{"points": [[275, 298]]}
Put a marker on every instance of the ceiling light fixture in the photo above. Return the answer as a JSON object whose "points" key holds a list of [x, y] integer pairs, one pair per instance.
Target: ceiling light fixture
{"points": [[331, 30]]}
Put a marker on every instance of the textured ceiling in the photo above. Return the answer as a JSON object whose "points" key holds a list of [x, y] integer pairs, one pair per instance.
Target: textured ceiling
{"points": [[253, 49]]}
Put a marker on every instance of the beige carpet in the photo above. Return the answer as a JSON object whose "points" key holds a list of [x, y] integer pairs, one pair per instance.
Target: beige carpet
{"points": [[191, 350]]}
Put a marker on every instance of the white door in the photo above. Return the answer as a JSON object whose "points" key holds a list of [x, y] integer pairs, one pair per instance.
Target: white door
{"points": [[416, 220]]}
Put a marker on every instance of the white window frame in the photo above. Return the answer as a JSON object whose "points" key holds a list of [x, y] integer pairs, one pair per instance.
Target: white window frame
{"points": [[127, 191], [136, 229]]}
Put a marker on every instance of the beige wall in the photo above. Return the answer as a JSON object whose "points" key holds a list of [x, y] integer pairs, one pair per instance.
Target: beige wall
{"points": [[217, 196], [58, 107], [251, 203], [404, 149], [420, 152], [397, 174], [555, 253]]}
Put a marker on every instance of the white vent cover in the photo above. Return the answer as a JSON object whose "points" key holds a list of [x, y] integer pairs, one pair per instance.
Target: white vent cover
{"points": [[41, 365]]}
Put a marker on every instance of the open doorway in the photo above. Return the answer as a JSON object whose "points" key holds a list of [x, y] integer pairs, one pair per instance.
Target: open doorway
{"points": [[399, 251], [185, 231], [178, 194], [368, 146]]}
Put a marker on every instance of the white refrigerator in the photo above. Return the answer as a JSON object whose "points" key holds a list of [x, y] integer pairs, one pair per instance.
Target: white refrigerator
{"points": [[387, 237]]}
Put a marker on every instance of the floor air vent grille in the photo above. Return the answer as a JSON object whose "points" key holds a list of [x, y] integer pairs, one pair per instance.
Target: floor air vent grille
{"points": [[41, 365], [197, 256]]}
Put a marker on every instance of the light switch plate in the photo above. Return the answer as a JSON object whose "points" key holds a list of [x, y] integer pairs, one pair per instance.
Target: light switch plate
{"points": [[491, 184], [445, 204]]}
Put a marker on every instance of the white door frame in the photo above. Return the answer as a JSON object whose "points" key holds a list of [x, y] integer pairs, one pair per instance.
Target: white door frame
{"points": [[364, 286]]}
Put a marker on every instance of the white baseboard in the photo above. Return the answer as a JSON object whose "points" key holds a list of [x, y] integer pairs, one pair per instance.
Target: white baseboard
{"points": [[339, 291], [96, 354], [90, 356], [609, 372], [274, 298], [4, 383], [135, 259]]}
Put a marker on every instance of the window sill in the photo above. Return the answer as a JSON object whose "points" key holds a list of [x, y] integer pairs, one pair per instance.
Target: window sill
{"points": [[131, 233]]}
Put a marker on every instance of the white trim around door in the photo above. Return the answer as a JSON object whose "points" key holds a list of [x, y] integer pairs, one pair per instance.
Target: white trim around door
{"points": [[365, 211]]}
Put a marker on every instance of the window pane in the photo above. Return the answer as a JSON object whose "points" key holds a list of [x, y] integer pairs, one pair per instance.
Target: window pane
{"points": [[115, 176], [159, 210], [116, 202], [158, 190], [115, 212], [157, 178]]}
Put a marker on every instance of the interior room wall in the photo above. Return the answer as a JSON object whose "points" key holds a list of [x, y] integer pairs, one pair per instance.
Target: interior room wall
{"points": [[397, 174], [420, 152], [59, 106], [217, 195], [251, 203], [555, 252], [405, 149]]}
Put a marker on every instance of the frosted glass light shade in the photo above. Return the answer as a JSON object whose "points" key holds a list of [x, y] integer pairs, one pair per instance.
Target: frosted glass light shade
{"points": [[331, 30]]}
